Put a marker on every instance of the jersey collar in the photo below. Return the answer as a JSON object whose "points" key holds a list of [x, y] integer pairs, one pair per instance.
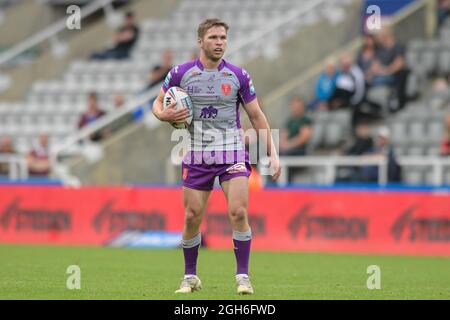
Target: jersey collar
{"points": [[200, 65]]}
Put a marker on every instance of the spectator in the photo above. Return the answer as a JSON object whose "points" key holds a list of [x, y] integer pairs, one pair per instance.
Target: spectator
{"points": [[445, 144], [6, 147], [255, 181], [443, 11], [124, 40], [389, 67], [350, 85], [366, 56], [362, 145], [91, 115], [160, 71], [297, 131], [383, 148], [118, 101], [325, 86], [439, 95], [39, 159]]}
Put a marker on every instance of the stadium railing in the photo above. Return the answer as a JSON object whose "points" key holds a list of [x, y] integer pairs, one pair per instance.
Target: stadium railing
{"points": [[331, 164], [18, 167]]}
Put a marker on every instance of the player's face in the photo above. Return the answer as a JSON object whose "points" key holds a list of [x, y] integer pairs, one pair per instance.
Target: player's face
{"points": [[214, 43]]}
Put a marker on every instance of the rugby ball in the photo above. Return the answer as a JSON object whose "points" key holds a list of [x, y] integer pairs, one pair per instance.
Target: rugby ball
{"points": [[183, 101]]}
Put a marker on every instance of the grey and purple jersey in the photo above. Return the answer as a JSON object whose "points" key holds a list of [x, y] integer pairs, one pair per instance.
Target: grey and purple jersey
{"points": [[216, 95]]}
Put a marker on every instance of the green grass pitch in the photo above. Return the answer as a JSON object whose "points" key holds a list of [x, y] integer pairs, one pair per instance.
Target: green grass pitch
{"points": [[39, 272]]}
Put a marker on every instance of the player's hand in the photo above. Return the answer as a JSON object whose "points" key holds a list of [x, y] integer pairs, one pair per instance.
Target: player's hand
{"points": [[275, 167], [171, 114]]}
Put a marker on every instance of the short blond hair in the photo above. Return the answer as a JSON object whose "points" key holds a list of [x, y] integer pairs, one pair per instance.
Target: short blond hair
{"points": [[208, 24]]}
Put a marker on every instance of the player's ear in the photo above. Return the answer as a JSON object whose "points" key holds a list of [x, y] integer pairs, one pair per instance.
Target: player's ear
{"points": [[199, 42]]}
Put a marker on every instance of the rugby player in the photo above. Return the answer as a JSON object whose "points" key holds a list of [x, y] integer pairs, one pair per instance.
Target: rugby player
{"points": [[217, 89]]}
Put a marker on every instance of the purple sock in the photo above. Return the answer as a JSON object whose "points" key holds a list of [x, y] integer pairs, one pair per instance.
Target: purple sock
{"points": [[242, 242], [190, 251]]}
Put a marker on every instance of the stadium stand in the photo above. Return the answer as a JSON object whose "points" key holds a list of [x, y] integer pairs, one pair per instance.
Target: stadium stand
{"points": [[54, 106]]}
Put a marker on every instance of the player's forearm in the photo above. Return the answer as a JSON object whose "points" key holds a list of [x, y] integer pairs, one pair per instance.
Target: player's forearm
{"points": [[157, 109], [260, 123]]}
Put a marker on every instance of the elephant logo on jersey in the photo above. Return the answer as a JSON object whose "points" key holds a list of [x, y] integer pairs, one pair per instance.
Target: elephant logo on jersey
{"points": [[226, 88], [209, 112]]}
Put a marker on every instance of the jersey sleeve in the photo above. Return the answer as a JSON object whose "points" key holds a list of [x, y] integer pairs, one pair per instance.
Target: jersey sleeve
{"points": [[172, 79], [247, 90]]}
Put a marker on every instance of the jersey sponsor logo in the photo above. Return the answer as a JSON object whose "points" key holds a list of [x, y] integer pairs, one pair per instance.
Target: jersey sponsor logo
{"points": [[209, 112], [210, 90], [237, 167], [195, 73], [193, 89], [227, 74], [226, 88]]}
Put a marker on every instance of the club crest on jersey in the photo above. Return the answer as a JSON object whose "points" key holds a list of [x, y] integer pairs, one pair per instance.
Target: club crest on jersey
{"points": [[226, 88], [226, 74], [236, 168]]}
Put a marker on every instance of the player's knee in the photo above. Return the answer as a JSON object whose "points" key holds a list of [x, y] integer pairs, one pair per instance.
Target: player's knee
{"points": [[238, 214], [191, 215]]}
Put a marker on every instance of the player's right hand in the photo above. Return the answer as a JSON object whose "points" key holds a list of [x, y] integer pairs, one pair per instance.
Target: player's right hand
{"points": [[171, 114]]}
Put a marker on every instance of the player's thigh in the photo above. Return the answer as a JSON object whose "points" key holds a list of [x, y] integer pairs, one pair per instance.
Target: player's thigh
{"points": [[236, 193], [194, 201]]}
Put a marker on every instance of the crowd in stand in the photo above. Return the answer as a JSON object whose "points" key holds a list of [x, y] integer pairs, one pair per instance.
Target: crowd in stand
{"points": [[352, 84], [380, 63]]}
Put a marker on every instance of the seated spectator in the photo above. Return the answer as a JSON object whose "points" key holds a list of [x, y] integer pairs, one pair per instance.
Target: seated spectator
{"points": [[124, 120], [443, 11], [384, 148], [325, 86], [445, 144], [366, 56], [6, 147], [39, 158], [118, 101], [91, 115], [124, 40], [350, 85], [297, 131], [439, 95], [389, 67], [363, 144], [160, 71]]}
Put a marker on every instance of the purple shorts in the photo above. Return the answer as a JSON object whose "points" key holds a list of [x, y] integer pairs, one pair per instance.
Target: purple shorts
{"points": [[199, 172]]}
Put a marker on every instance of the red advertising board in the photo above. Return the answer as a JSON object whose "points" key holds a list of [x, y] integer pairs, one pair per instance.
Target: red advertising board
{"points": [[385, 222]]}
